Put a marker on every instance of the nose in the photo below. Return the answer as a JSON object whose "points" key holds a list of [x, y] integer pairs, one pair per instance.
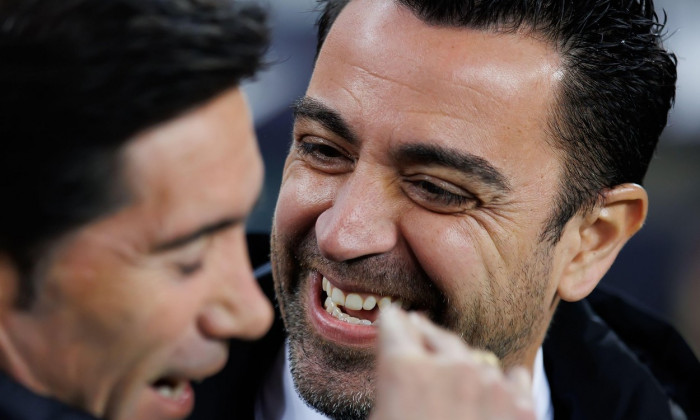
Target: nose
{"points": [[237, 307], [361, 220]]}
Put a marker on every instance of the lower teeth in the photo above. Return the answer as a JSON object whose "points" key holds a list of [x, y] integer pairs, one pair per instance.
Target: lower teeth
{"points": [[335, 312]]}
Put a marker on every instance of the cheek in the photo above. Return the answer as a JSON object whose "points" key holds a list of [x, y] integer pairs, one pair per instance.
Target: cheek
{"points": [[303, 196], [104, 302], [145, 300], [158, 313], [172, 309], [446, 251]]}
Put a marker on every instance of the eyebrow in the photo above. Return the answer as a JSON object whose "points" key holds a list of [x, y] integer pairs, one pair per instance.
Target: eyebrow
{"points": [[187, 238], [434, 155], [421, 153], [316, 110]]}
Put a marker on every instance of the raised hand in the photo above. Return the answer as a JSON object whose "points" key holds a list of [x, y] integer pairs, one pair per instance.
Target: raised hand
{"points": [[425, 372]]}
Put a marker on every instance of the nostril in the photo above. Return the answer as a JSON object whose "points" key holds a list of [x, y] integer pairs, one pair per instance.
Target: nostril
{"points": [[236, 308], [351, 238], [216, 322], [250, 319]]}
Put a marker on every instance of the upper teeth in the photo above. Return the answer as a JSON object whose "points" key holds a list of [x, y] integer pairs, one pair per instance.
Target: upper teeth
{"points": [[172, 391], [337, 297]]}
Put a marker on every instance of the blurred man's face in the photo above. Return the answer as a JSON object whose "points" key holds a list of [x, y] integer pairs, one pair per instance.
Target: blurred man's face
{"points": [[134, 306], [420, 172]]}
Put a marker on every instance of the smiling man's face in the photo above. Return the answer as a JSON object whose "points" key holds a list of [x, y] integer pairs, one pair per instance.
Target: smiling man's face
{"points": [[132, 307], [420, 172]]}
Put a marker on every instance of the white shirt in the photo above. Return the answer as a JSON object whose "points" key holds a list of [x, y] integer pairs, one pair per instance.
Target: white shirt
{"points": [[544, 410], [280, 401]]}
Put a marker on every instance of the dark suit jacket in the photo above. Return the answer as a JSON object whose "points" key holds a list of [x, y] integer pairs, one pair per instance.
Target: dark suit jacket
{"points": [[605, 359], [19, 403]]}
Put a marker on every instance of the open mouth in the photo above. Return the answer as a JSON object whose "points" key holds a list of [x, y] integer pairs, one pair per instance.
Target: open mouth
{"points": [[172, 397], [172, 388], [355, 308]]}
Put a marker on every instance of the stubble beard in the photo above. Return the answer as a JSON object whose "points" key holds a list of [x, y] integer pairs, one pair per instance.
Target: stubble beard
{"points": [[339, 381]]}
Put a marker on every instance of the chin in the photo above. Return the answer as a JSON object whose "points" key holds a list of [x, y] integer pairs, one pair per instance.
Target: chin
{"points": [[338, 382]]}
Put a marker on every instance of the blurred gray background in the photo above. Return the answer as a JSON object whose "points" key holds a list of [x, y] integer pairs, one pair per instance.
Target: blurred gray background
{"points": [[659, 268]]}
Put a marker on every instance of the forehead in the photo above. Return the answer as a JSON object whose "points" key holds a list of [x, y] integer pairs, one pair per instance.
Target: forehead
{"points": [[199, 167], [391, 74]]}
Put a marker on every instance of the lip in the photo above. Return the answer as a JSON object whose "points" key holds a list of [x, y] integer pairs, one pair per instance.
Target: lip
{"points": [[175, 409], [333, 329]]}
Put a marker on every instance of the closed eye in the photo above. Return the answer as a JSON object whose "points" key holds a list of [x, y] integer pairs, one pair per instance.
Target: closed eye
{"points": [[188, 269], [319, 150], [324, 155], [189, 259], [439, 195]]}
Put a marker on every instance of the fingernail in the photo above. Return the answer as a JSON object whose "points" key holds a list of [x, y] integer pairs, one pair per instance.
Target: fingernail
{"points": [[390, 318]]}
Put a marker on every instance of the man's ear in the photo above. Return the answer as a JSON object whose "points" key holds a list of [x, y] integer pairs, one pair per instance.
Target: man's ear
{"points": [[601, 235]]}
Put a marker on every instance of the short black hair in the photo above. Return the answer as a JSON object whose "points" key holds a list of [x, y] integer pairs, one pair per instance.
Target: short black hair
{"points": [[617, 89], [79, 79]]}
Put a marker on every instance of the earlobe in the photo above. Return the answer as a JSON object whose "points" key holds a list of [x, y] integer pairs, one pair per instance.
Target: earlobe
{"points": [[602, 234]]}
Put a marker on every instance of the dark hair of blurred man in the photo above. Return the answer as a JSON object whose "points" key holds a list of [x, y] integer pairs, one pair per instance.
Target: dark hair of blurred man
{"points": [[128, 165]]}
